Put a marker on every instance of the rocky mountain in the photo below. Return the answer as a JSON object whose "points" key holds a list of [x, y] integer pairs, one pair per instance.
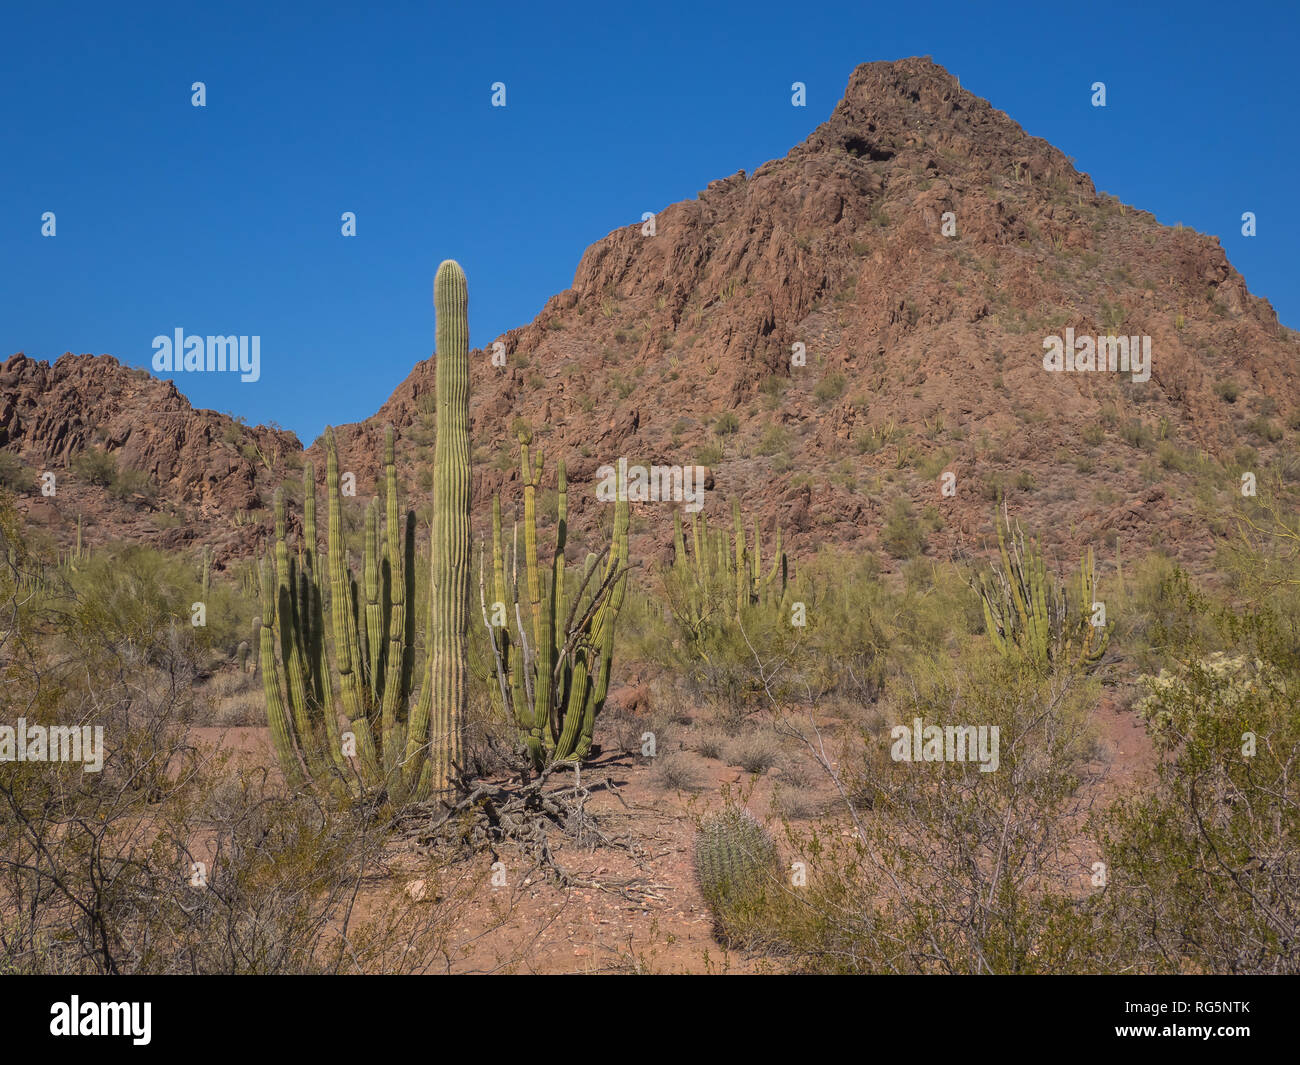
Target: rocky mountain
{"points": [[198, 470], [921, 247], [832, 333]]}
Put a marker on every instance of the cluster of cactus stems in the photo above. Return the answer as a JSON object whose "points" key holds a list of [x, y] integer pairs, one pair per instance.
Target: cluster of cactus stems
{"points": [[42, 577], [552, 645], [79, 553], [726, 568], [406, 747], [249, 585], [1027, 612]]}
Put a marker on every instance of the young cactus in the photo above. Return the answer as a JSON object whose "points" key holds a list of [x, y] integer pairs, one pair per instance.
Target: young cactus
{"points": [[735, 865]]}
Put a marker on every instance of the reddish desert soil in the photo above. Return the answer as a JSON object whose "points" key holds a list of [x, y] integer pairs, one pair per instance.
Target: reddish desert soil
{"points": [[625, 912]]}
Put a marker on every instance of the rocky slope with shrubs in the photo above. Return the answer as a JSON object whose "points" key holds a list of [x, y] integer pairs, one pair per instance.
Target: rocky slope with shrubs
{"points": [[924, 355]]}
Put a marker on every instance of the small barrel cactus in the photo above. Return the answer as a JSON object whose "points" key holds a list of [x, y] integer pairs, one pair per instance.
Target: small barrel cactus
{"points": [[735, 859]]}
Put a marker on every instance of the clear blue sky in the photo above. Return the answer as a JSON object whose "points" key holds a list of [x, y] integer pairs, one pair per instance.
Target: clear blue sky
{"points": [[225, 219]]}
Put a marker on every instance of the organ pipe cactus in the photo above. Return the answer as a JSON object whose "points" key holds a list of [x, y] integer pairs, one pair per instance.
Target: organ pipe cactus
{"points": [[306, 686], [1027, 612], [721, 576], [552, 651], [393, 743]]}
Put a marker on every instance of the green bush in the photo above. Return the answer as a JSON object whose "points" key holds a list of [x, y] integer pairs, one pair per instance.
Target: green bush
{"points": [[830, 388], [14, 475], [130, 483], [775, 439], [708, 455], [902, 536], [142, 597], [95, 467], [1204, 864]]}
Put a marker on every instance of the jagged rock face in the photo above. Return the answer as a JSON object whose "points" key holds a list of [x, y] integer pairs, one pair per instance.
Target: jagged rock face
{"points": [[931, 343], [204, 460]]}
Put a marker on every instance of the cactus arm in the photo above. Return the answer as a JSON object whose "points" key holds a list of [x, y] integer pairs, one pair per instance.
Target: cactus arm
{"points": [[347, 647], [276, 718], [372, 636], [396, 689]]}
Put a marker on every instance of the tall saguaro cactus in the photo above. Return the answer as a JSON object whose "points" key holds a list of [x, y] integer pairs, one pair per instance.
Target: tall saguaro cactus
{"points": [[451, 544], [404, 750]]}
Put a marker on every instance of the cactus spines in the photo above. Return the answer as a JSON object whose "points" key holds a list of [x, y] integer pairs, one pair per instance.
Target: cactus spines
{"points": [[735, 862], [451, 543]]}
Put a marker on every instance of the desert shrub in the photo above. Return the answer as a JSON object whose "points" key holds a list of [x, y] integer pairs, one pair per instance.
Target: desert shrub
{"points": [[95, 467], [708, 455], [1135, 433], [673, 771], [776, 438], [961, 871], [14, 475], [142, 597], [711, 744], [1204, 865], [902, 536], [727, 424], [837, 647], [935, 463], [754, 752], [830, 387], [130, 483], [1265, 428], [1170, 458]]}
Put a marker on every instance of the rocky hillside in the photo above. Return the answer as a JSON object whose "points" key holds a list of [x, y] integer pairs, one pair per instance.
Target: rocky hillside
{"points": [[924, 341], [921, 247], [196, 471]]}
